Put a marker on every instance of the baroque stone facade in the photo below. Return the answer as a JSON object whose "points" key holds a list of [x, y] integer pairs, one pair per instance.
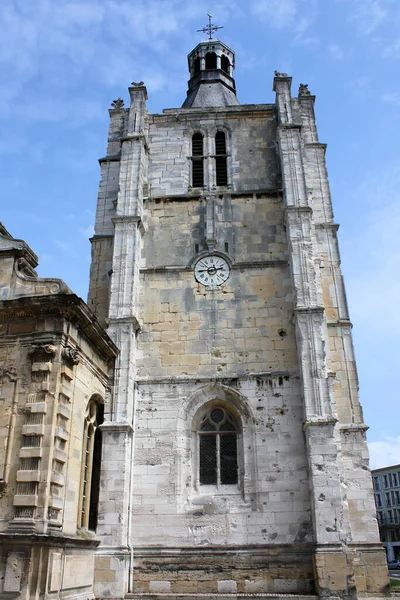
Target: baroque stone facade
{"points": [[55, 359], [234, 458]]}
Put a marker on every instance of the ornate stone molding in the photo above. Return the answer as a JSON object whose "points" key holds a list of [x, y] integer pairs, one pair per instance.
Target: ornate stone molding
{"points": [[303, 90], [48, 350], [71, 355], [9, 372], [117, 104]]}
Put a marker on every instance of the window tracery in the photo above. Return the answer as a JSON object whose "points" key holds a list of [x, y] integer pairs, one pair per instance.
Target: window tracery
{"points": [[218, 455]]}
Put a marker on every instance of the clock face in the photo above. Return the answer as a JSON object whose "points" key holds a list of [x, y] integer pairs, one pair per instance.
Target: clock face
{"points": [[211, 270]]}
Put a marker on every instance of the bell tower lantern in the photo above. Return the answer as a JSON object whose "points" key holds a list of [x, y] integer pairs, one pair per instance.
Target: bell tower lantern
{"points": [[211, 66]]}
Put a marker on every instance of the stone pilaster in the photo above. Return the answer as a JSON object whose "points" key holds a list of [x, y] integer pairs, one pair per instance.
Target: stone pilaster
{"points": [[342, 508], [102, 241], [123, 321]]}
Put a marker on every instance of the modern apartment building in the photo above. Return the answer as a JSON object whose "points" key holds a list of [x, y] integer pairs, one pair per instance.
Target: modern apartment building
{"points": [[387, 500]]}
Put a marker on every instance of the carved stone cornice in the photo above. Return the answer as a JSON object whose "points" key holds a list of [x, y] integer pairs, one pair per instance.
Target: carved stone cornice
{"points": [[12, 246], [319, 422], [66, 306]]}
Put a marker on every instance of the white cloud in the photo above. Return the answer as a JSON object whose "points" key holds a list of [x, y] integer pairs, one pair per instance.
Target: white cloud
{"points": [[392, 50], [87, 232], [391, 98], [336, 51], [99, 41], [275, 13], [384, 453], [371, 14], [301, 28], [373, 287]]}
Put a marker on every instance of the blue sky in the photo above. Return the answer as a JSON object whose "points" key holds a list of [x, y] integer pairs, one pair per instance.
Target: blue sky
{"points": [[62, 63]]}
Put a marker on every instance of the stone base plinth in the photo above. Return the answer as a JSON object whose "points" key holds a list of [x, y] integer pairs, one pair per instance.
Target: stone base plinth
{"points": [[360, 572]]}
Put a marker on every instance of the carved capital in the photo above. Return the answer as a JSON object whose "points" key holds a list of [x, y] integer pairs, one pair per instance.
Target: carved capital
{"points": [[9, 373], [42, 352]]}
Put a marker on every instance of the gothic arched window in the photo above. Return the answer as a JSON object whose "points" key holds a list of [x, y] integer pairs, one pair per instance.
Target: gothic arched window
{"points": [[197, 160], [220, 159], [225, 64], [90, 474], [218, 455], [211, 60]]}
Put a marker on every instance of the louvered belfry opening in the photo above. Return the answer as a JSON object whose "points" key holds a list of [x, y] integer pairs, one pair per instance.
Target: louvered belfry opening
{"points": [[220, 159], [218, 448], [197, 160]]}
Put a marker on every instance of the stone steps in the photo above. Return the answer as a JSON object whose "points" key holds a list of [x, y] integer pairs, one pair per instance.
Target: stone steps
{"points": [[215, 596]]}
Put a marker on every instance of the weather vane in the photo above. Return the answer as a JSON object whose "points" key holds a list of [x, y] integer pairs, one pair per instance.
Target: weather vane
{"points": [[210, 28]]}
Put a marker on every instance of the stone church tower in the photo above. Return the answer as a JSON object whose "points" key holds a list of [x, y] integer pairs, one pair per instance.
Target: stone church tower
{"points": [[196, 431], [235, 458]]}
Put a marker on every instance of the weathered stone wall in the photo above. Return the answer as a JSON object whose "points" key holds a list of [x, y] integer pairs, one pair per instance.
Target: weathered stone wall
{"points": [[234, 345], [272, 344], [250, 140]]}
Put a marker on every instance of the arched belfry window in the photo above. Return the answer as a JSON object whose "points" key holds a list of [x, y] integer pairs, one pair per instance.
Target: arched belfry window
{"points": [[197, 65], [225, 64], [211, 60], [197, 160], [91, 458], [218, 455], [220, 159]]}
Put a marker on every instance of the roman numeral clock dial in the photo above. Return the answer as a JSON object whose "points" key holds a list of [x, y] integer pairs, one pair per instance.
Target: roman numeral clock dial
{"points": [[211, 270]]}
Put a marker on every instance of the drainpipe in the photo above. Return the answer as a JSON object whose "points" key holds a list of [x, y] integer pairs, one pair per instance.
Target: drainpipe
{"points": [[131, 483]]}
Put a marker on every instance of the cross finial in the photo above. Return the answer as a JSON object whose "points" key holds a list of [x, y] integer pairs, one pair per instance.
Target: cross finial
{"points": [[210, 28]]}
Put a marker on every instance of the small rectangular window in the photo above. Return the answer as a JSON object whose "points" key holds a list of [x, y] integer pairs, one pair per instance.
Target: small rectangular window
{"points": [[385, 481], [376, 483]]}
